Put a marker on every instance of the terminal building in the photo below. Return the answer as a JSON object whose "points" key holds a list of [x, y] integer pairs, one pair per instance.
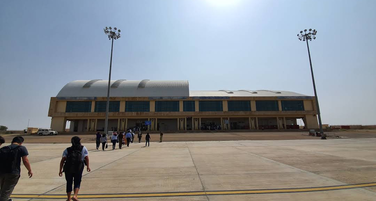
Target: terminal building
{"points": [[171, 106]]}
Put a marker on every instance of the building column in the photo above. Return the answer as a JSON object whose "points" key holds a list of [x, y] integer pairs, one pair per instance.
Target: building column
{"points": [[228, 123], [185, 123], [257, 124], [118, 126], [126, 123], [88, 125], [222, 127], [249, 123], [284, 123], [92, 106], [199, 123]]}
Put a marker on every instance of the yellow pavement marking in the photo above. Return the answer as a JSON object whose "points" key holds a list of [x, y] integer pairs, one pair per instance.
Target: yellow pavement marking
{"points": [[176, 194]]}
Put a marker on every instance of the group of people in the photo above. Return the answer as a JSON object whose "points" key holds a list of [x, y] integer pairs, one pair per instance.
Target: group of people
{"points": [[73, 162], [122, 138]]}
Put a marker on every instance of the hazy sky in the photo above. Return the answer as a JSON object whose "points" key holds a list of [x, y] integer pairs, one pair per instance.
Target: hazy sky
{"points": [[214, 44]]}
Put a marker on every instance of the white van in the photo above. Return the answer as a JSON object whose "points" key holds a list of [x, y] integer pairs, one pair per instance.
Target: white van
{"points": [[46, 132]]}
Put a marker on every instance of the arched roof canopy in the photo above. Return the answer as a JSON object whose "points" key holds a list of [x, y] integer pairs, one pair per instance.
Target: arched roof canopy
{"points": [[125, 88]]}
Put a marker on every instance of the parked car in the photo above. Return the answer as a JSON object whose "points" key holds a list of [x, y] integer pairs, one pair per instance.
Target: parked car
{"points": [[46, 132]]}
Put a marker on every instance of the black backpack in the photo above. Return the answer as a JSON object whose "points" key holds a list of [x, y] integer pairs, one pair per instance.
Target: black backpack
{"points": [[74, 163], [8, 159]]}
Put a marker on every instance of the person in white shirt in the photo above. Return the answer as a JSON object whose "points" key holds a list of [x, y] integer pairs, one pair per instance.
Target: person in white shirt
{"points": [[74, 160]]}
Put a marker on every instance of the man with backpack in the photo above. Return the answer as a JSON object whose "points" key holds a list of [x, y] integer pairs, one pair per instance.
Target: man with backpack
{"points": [[73, 161], [10, 166]]}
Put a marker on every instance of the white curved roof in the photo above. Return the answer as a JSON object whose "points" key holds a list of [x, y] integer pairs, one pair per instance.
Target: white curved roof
{"points": [[125, 88]]}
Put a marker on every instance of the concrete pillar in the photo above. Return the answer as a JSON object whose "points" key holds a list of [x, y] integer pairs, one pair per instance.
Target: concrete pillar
{"points": [[222, 124], [152, 106], [311, 122], [122, 106], [88, 125], [92, 106], [126, 123], [181, 107], [199, 123], [284, 122], [118, 126], [253, 105], [225, 105], [249, 123], [197, 106], [185, 123], [58, 124], [279, 105], [257, 125]]}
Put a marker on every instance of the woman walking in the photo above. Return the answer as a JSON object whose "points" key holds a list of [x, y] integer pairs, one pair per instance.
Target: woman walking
{"points": [[74, 160], [114, 139], [103, 141]]}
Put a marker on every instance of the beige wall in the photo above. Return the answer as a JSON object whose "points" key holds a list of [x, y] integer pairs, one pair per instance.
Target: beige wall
{"points": [[61, 106], [311, 122], [308, 105], [58, 124]]}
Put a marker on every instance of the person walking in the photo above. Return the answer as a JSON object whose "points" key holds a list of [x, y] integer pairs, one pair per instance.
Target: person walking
{"points": [[74, 160], [147, 139], [10, 167], [103, 141], [114, 139], [139, 136], [120, 139], [129, 137], [98, 139], [160, 137], [132, 136]]}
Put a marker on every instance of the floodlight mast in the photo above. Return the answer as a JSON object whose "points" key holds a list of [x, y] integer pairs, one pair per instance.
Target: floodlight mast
{"points": [[112, 34], [309, 36]]}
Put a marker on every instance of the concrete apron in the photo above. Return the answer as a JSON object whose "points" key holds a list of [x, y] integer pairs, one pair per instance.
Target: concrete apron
{"points": [[230, 170]]}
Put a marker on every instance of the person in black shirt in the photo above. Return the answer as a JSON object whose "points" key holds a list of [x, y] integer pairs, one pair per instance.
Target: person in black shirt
{"points": [[98, 139], [147, 139], [9, 180]]}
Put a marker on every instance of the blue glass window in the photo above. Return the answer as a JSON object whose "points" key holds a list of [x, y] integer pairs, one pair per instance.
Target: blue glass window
{"points": [[137, 106], [210, 106], [267, 105], [189, 106], [78, 106], [239, 105], [292, 105], [167, 106], [100, 106]]}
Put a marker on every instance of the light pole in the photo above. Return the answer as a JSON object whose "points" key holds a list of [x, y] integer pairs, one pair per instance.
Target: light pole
{"points": [[112, 34], [308, 36]]}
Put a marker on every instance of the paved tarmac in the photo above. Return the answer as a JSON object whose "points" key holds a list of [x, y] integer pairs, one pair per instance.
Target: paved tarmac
{"points": [[333, 169]]}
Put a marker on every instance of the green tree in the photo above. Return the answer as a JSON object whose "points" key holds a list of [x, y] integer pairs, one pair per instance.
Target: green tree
{"points": [[3, 128]]}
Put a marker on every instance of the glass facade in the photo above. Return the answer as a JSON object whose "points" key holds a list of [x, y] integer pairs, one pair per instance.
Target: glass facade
{"points": [[167, 106], [137, 106], [189, 106], [78, 106], [267, 105], [210, 106], [239, 105], [100, 106], [290, 105]]}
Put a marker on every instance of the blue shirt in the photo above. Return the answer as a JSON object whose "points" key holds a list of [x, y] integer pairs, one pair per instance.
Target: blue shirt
{"points": [[128, 135]]}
